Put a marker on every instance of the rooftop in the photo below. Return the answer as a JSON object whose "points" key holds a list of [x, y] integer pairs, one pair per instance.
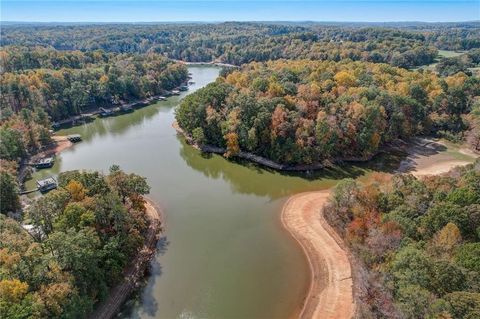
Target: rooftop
{"points": [[45, 182]]}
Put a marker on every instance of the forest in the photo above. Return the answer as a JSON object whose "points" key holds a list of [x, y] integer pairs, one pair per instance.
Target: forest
{"points": [[463, 63], [304, 93], [403, 45], [66, 83], [41, 85], [305, 112], [416, 243], [82, 236]]}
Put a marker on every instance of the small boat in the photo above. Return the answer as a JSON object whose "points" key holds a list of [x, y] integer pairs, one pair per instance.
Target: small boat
{"points": [[162, 98], [175, 92], [183, 88], [191, 82]]}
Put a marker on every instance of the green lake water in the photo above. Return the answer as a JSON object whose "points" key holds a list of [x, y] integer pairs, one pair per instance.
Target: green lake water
{"points": [[224, 253]]}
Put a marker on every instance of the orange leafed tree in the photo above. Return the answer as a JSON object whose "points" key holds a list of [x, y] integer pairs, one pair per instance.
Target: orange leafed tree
{"points": [[232, 144]]}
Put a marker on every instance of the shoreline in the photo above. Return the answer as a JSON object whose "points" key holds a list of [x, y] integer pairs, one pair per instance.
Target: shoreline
{"points": [[214, 63], [59, 144], [330, 294], [245, 155], [301, 219], [424, 158], [135, 271], [438, 168]]}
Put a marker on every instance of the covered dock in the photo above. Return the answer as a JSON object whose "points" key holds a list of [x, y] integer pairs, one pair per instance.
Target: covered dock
{"points": [[46, 162], [74, 138], [47, 184]]}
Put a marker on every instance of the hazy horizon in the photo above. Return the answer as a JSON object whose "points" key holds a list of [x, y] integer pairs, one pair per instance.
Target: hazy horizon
{"points": [[159, 11], [406, 22]]}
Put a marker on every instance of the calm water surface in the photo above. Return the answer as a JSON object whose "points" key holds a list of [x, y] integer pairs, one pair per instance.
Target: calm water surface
{"points": [[224, 254]]}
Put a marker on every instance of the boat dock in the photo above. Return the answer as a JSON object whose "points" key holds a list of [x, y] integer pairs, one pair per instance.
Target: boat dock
{"points": [[74, 138], [46, 162], [43, 186], [47, 184], [122, 108], [82, 118]]}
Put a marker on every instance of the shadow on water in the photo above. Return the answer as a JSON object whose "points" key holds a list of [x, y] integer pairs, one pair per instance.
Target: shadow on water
{"points": [[249, 178], [150, 304], [119, 124], [146, 294]]}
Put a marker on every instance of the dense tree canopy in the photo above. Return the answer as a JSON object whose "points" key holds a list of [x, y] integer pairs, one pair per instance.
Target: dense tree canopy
{"points": [[303, 112], [50, 80], [345, 94], [403, 45], [67, 83], [416, 243], [82, 236], [462, 63]]}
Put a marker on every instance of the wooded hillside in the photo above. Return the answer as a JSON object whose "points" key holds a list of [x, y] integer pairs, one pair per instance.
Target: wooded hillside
{"points": [[416, 243], [303, 112], [81, 237]]}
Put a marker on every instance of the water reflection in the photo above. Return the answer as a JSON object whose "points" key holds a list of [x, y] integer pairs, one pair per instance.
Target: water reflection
{"points": [[227, 255], [119, 125], [248, 178]]}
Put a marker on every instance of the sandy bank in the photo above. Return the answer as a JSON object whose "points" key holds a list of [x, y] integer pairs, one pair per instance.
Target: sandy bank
{"points": [[438, 168], [331, 290], [427, 156], [61, 144]]}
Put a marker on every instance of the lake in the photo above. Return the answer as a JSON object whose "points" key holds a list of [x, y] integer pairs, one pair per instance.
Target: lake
{"points": [[224, 253]]}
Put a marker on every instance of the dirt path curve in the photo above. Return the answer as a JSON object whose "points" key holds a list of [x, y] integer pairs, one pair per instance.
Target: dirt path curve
{"points": [[331, 292], [118, 294]]}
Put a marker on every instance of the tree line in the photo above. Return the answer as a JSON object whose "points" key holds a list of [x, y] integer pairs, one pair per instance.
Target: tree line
{"points": [[68, 83], [21, 134], [79, 240], [39, 85], [401, 45], [463, 63], [416, 243], [304, 112]]}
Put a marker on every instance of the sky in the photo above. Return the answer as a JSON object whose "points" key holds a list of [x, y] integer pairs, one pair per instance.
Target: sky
{"points": [[235, 10]]}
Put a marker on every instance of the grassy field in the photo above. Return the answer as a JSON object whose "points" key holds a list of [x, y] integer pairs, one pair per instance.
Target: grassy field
{"points": [[475, 71], [441, 54], [448, 54]]}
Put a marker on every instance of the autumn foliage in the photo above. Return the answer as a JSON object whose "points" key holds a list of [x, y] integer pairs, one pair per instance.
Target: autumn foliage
{"points": [[82, 236], [304, 112], [416, 243]]}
